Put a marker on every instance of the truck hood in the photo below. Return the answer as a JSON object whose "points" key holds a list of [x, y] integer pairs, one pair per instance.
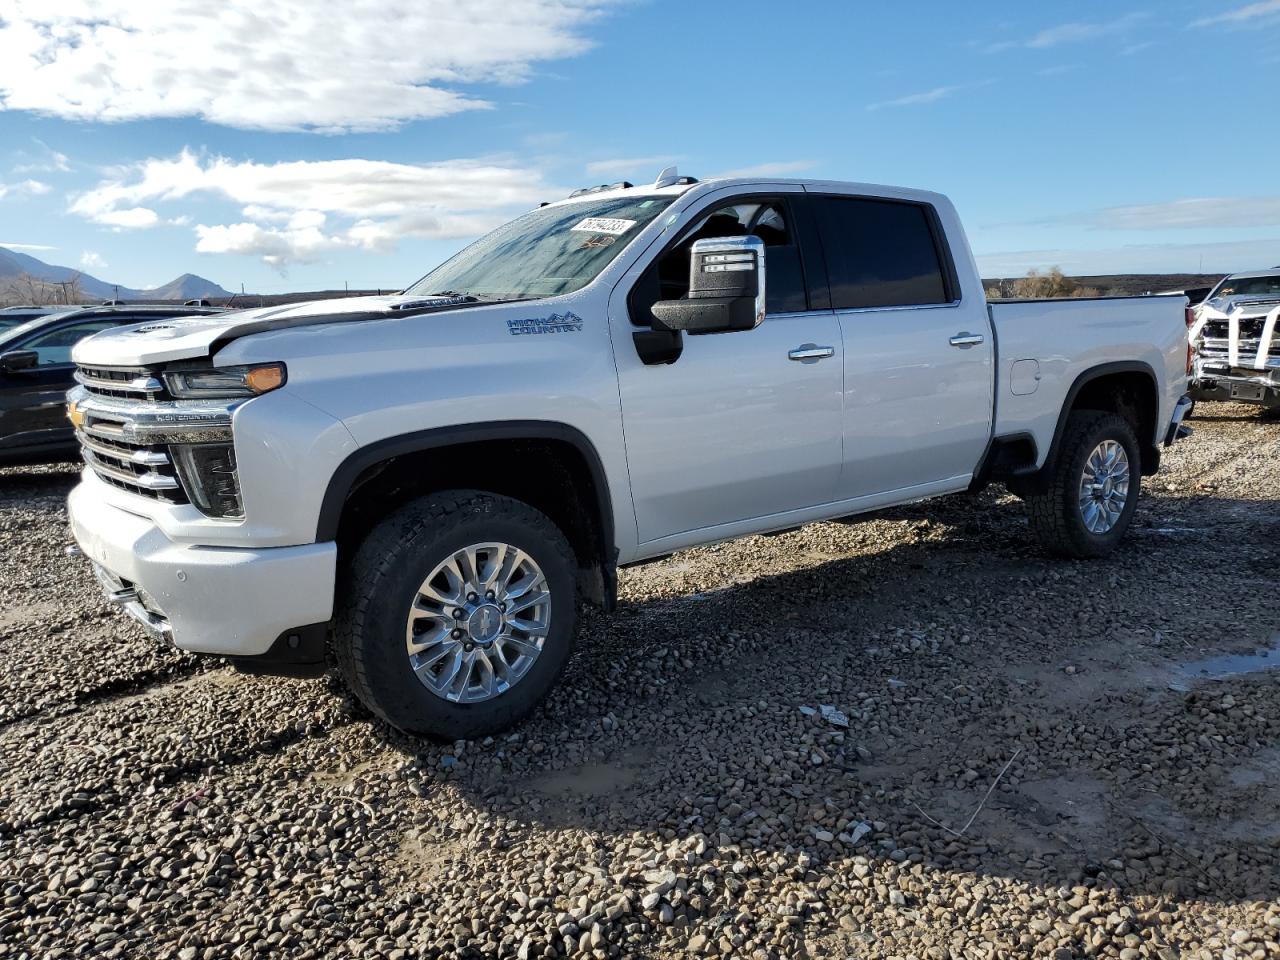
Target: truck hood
{"points": [[1246, 308], [187, 338]]}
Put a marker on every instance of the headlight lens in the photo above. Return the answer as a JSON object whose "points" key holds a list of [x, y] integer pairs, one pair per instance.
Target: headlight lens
{"points": [[226, 382], [208, 474]]}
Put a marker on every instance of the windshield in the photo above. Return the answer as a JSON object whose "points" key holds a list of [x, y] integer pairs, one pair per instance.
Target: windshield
{"points": [[548, 251], [1248, 287]]}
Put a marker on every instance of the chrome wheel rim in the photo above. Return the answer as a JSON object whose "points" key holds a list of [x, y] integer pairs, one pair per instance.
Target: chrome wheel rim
{"points": [[478, 622], [1104, 488]]}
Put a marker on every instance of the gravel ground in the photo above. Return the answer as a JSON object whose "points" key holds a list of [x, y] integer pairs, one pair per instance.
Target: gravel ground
{"points": [[684, 791]]}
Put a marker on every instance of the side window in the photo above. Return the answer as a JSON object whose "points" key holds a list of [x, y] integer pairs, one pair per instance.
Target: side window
{"points": [[880, 253], [55, 346], [668, 278]]}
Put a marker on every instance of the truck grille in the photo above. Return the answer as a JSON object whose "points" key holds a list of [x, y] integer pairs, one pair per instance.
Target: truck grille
{"points": [[131, 430], [1216, 341], [126, 382]]}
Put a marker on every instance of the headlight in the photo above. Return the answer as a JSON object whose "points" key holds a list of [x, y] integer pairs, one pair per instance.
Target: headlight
{"points": [[225, 382], [208, 474]]}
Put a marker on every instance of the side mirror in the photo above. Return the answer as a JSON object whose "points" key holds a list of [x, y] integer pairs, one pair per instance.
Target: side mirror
{"points": [[1197, 294], [16, 360], [726, 289]]}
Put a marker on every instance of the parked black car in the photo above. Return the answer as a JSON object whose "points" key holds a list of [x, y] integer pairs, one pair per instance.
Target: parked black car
{"points": [[11, 317], [36, 373]]}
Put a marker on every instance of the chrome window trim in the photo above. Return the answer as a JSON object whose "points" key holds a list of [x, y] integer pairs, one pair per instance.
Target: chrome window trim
{"points": [[950, 305]]}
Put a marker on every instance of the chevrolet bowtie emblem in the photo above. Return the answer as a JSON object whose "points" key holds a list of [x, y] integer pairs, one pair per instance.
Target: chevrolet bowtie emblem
{"points": [[75, 414]]}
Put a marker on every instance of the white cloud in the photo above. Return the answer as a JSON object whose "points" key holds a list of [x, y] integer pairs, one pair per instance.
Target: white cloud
{"points": [[630, 165], [299, 211], [1133, 48], [48, 160], [276, 64], [25, 246], [780, 168], [91, 260], [914, 99], [24, 188], [1245, 14], [1196, 212], [1070, 33]]}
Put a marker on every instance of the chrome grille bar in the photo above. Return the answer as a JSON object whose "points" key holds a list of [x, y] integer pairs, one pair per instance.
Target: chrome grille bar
{"points": [[142, 456], [147, 481]]}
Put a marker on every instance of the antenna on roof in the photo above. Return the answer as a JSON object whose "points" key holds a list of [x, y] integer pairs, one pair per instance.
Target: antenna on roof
{"points": [[667, 177]]}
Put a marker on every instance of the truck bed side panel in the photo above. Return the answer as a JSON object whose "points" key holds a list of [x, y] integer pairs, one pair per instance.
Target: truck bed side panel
{"points": [[1059, 340]]}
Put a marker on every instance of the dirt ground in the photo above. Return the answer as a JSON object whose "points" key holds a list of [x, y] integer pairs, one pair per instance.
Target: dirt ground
{"points": [[1025, 756]]}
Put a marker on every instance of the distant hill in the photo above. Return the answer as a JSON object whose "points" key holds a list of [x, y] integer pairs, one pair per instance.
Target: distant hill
{"points": [[186, 287]]}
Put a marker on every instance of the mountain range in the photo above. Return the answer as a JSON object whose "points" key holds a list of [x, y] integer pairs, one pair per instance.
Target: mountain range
{"points": [[186, 287]]}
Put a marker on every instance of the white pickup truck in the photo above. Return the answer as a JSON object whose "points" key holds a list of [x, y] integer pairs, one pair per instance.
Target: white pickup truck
{"points": [[424, 486], [1237, 354]]}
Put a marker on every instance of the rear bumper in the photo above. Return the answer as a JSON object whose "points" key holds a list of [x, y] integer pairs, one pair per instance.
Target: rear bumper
{"points": [[1176, 430], [229, 601]]}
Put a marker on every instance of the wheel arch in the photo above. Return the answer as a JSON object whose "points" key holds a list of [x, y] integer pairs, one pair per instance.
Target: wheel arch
{"points": [[1127, 387], [559, 444]]}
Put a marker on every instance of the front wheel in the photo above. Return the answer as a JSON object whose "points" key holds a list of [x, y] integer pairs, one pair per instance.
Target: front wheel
{"points": [[1093, 487], [457, 615]]}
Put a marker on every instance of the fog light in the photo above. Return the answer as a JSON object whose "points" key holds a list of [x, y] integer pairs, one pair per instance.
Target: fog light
{"points": [[208, 474]]}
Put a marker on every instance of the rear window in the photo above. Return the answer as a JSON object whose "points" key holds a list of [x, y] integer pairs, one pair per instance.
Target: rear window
{"points": [[881, 253]]}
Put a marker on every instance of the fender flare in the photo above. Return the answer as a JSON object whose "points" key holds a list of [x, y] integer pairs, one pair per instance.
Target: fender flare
{"points": [[344, 477], [1083, 380]]}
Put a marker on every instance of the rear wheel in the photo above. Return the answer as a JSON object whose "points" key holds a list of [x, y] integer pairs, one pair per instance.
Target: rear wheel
{"points": [[457, 615], [1093, 487]]}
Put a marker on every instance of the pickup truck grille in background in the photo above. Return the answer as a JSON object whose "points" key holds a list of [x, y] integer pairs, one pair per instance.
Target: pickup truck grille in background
{"points": [[1216, 342]]}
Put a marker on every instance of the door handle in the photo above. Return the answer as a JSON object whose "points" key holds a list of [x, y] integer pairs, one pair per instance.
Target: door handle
{"points": [[811, 353], [967, 339]]}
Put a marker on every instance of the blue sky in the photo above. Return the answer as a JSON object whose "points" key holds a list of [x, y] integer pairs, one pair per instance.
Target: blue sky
{"points": [[287, 148]]}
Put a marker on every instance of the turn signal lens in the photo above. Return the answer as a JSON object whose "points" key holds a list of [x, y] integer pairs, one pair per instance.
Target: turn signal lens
{"points": [[264, 379]]}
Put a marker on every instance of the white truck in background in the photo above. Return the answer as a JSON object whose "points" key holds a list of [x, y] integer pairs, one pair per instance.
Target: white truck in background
{"points": [[424, 486], [1233, 334]]}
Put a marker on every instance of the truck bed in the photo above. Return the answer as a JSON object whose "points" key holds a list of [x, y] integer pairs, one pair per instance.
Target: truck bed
{"points": [[1044, 346]]}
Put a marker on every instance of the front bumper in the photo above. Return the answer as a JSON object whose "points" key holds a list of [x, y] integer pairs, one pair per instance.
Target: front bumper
{"points": [[230, 601], [1216, 379]]}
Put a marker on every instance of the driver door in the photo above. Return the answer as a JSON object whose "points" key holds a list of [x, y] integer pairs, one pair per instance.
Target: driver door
{"points": [[742, 427]]}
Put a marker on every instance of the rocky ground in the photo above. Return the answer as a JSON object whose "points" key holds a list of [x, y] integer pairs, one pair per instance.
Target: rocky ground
{"points": [[779, 747]]}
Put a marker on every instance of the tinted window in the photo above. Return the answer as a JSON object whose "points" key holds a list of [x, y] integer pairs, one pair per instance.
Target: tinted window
{"points": [[55, 346], [880, 253]]}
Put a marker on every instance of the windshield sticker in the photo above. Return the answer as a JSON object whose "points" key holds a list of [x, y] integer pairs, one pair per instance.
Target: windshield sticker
{"points": [[610, 225], [556, 323], [597, 240]]}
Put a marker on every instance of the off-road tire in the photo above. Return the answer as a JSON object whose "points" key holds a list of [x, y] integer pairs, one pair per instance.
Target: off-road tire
{"points": [[382, 580], [1054, 515]]}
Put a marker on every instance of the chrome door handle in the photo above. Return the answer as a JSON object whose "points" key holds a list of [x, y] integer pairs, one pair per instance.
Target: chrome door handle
{"points": [[811, 352], [967, 339]]}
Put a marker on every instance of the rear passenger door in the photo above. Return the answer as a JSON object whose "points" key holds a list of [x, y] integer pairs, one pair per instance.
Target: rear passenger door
{"points": [[917, 354]]}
